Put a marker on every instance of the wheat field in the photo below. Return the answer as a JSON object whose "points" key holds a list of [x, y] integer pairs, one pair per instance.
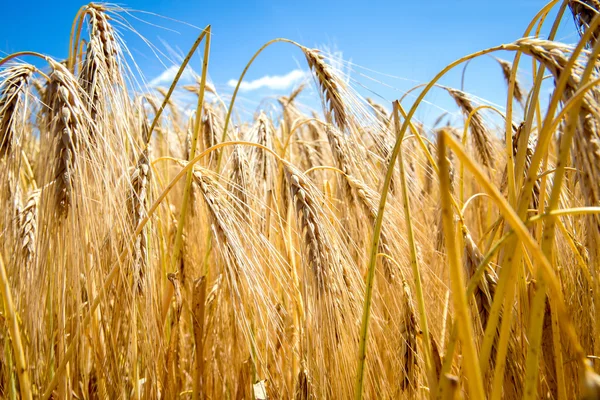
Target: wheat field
{"points": [[350, 252]]}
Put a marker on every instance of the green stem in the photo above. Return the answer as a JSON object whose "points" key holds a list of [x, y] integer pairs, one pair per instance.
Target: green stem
{"points": [[379, 220], [511, 164], [538, 307], [414, 261], [461, 305], [525, 237], [512, 258]]}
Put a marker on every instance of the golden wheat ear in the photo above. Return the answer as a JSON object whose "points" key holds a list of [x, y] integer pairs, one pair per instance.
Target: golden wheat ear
{"points": [[28, 231], [209, 132], [314, 239], [330, 86], [408, 348], [368, 200], [506, 72], [287, 100], [480, 134], [584, 12], [138, 204], [67, 126], [12, 89], [379, 110], [100, 71], [238, 184], [265, 138]]}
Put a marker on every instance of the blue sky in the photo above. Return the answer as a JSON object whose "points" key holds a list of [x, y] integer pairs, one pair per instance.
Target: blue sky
{"points": [[407, 39]]}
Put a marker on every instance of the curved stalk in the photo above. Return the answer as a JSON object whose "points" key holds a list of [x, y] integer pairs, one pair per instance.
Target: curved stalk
{"points": [[20, 54], [511, 163], [523, 234], [539, 301], [379, 220], [237, 88]]}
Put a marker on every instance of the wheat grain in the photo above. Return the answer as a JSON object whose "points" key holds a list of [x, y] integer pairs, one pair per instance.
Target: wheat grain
{"points": [[28, 233]]}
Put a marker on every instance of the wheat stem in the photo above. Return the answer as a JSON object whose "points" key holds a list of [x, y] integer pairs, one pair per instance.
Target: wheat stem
{"points": [[512, 185], [537, 309], [176, 253], [379, 220], [414, 262], [515, 222], [465, 328], [15, 334]]}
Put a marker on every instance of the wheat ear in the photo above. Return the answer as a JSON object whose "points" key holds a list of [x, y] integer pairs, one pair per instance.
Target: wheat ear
{"points": [[330, 86], [12, 88], [479, 132]]}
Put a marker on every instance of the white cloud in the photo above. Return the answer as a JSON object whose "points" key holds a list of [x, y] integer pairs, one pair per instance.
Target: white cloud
{"points": [[166, 78], [275, 82]]}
